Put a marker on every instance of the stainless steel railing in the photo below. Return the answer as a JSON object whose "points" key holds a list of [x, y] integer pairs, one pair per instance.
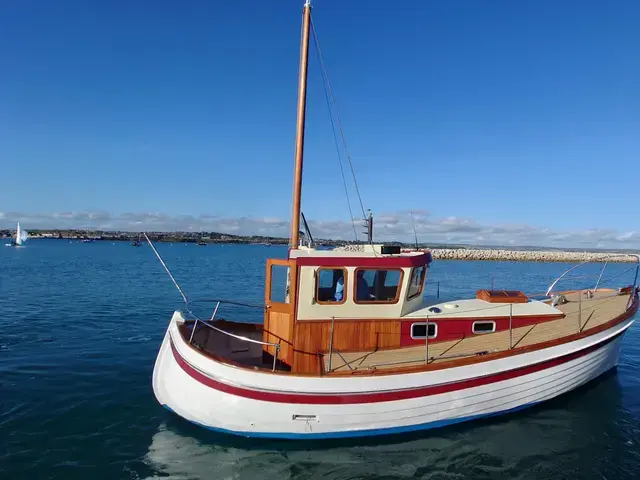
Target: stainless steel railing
{"points": [[606, 262], [427, 358], [606, 259], [198, 320], [332, 348]]}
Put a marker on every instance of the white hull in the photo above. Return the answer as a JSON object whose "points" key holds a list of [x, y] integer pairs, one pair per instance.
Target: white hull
{"points": [[467, 392]]}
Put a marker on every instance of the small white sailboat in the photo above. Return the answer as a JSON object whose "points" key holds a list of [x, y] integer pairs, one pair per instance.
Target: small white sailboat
{"points": [[20, 238]]}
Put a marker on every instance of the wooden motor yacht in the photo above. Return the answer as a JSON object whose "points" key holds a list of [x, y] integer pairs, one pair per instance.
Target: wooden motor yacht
{"points": [[349, 347]]}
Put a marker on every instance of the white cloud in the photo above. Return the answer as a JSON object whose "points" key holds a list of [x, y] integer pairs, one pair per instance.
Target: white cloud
{"points": [[387, 227]]}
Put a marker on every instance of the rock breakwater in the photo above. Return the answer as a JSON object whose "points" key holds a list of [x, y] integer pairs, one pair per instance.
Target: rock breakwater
{"points": [[515, 255], [527, 255]]}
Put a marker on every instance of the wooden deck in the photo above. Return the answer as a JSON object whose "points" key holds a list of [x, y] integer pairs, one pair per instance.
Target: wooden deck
{"points": [[605, 305]]}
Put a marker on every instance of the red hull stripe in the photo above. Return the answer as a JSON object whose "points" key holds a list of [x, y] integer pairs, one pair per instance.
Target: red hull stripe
{"points": [[375, 397], [381, 261]]}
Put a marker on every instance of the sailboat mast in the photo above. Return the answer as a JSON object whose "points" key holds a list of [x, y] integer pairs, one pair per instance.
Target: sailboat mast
{"points": [[302, 105]]}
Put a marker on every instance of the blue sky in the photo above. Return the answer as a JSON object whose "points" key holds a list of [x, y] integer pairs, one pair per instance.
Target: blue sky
{"points": [[495, 114]]}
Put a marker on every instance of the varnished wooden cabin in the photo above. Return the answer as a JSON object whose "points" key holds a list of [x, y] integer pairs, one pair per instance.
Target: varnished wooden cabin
{"points": [[361, 295]]}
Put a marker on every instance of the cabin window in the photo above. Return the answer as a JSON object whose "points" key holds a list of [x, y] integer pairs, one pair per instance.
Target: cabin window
{"points": [[483, 327], [377, 286], [416, 282], [419, 330], [330, 285], [279, 283]]}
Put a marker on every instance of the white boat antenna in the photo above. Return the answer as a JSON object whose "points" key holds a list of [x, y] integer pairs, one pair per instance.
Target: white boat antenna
{"points": [[184, 297], [415, 235]]}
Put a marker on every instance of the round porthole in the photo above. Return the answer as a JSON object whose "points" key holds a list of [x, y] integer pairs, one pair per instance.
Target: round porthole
{"points": [[435, 310]]}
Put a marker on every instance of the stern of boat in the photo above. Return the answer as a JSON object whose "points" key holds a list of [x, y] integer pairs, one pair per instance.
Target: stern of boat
{"points": [[197, 362], [177, 390]]}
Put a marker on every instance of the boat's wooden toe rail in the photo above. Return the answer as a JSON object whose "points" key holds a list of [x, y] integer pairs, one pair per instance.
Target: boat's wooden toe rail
{"points": [[584, 311]]}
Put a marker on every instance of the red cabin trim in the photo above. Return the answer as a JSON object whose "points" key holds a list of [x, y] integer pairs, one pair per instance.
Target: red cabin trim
{"points": [[375, 262], [457, 328]]}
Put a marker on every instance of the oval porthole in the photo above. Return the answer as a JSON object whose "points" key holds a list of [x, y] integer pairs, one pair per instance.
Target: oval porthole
{"points": [[435, 310]]}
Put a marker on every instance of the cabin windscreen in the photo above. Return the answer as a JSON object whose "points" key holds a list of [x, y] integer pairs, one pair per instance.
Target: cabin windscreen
{"points": [[416, 282], [377, 286]]}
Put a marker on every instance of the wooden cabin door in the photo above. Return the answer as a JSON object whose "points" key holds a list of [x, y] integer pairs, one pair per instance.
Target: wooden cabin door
{"points": [[280, 301]]}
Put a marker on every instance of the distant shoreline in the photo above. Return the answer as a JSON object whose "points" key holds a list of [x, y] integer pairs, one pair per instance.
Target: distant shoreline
{"points": [[439, 252], [171, 237]]}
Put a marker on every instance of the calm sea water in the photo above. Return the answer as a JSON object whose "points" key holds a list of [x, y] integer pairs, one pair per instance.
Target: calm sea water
{"points": [[81, 325]]}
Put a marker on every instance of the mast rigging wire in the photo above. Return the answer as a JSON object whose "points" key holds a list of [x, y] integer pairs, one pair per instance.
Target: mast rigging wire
{"points": [[331, 100]]}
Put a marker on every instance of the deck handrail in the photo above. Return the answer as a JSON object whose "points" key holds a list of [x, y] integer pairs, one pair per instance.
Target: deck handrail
{"points": [[277, 346], [604, 259], [238, 337], [187, 303], [228, 302], [429, 358], [242, 338]]}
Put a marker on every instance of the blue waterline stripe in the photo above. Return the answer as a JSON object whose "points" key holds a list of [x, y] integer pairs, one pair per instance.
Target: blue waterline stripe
{"points": [[359, 433]]}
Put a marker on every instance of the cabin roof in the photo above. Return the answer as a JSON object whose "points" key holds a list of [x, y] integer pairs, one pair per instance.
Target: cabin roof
{"points": [[371, 256], [478, 308]]}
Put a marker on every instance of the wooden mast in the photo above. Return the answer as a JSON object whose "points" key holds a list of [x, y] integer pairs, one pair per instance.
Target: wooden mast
{"points": [[302, 104]]}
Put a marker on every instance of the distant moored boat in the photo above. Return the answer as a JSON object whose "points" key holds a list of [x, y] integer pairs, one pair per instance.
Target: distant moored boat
{"points": [[20, 238]]}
